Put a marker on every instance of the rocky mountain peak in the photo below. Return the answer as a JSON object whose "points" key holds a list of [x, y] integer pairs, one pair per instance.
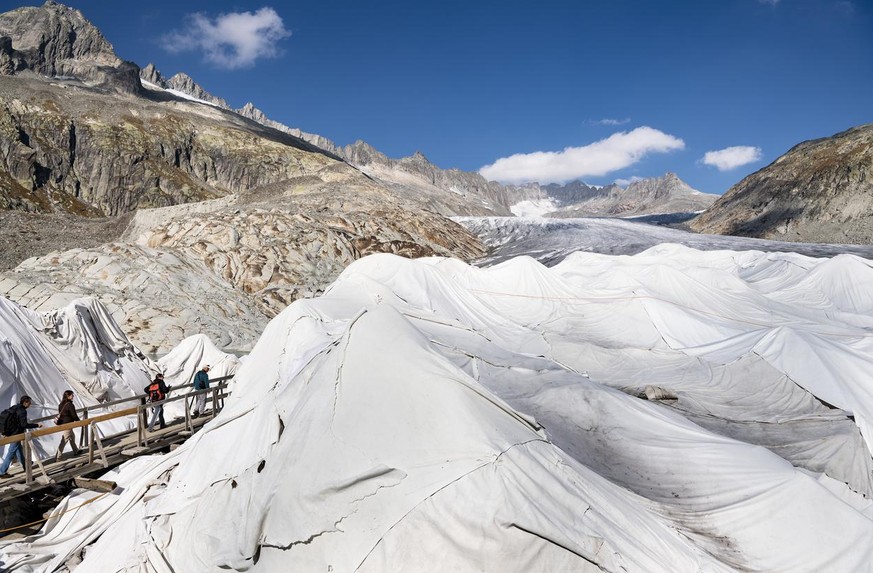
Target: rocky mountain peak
{"points": [[667, 185], [250, 111], [419, 157], [664, 194], [151, 74], [184, 83], [362, 153], [57, 41]]}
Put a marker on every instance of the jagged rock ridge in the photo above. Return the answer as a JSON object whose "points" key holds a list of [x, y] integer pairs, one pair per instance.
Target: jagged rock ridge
{"points": [[576, 199], [57, 41], [819, 191], [665, 194], [183, 83], [474, 194]]}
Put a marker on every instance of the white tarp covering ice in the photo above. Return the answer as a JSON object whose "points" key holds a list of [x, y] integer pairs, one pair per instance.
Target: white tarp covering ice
{"points": [[181, 364], [79, 348], [430, 416]]}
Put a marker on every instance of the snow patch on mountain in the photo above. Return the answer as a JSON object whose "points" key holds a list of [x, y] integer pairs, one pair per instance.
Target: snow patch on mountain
{"points": [[533, 207]]}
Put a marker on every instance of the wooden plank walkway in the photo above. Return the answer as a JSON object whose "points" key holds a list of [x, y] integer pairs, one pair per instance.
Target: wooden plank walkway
{"points": [[99, 454]]}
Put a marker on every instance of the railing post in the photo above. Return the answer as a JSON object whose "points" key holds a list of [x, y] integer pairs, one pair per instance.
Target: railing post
{"points": [[28, 464], [140, 438], [91, 431], [214, 401], [83, 432]]}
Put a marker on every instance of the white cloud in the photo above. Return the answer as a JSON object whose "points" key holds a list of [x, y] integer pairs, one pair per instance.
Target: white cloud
{"points": [[233, 40], [617, 151], [732, 157], [626, 182], [610, 121], [770, 2]]}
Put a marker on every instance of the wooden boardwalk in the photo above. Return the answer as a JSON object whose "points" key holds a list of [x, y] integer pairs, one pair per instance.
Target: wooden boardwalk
{"points": [[97, 454]]}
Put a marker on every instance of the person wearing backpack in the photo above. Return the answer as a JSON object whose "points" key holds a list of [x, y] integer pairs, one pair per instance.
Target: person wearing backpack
{"points": [[157, 391], [201, 382], [15, 423], [66, 414]]}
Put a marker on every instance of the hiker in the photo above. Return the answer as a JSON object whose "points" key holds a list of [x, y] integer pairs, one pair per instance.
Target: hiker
{"points": [[66, 414], [16, 423], [157, 391], [201, 382]]}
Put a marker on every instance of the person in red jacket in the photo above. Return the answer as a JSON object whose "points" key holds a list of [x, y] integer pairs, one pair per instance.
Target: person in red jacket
{"points": [[66, 414], [157, 391]]}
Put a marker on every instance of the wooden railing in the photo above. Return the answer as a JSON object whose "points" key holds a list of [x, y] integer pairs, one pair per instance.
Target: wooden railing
{"points": [[91, 438]]}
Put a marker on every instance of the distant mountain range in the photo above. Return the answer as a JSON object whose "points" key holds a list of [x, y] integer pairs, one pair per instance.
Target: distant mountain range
{"points": [[64, 154], [664, 194]]}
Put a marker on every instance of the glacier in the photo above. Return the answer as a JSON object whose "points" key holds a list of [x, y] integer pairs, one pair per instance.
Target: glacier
{"points": [[671, 410]]}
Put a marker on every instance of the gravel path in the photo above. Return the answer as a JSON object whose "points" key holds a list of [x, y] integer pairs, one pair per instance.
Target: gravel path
{"points": [[24, 235]]}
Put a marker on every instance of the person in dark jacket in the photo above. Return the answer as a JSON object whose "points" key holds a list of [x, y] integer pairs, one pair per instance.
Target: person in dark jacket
{"points": [[157, 391], [201, 382], [19, 413], [66, 414]]}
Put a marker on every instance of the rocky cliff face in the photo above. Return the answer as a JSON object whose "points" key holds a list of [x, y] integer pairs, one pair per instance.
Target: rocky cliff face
{"points": [[54, 40], [819, 191], [573, 192], [68, 148]]}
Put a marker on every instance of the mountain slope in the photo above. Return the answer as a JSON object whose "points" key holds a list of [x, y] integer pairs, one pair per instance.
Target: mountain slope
{"points": [[57, 41], [249, 216], [76, 149], [665, 194], [819, 191]]}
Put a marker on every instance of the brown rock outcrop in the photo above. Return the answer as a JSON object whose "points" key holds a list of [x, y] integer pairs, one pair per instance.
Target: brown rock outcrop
{"points": [[820, 191]]}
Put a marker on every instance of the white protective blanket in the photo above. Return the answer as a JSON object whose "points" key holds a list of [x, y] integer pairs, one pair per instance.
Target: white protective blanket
{"points": [[429, 416]]}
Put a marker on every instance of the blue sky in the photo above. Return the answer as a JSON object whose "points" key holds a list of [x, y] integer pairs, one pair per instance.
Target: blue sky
{"points": [[631, 88]]}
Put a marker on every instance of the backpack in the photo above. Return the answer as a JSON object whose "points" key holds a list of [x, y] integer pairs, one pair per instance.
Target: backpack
{"points": [[155, 394], [9, 422]]}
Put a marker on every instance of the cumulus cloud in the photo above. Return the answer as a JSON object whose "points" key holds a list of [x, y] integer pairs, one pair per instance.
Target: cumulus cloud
{"points": [[233, 40], [610, 121], [617, 151], [732, 157], [770, 2]]}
